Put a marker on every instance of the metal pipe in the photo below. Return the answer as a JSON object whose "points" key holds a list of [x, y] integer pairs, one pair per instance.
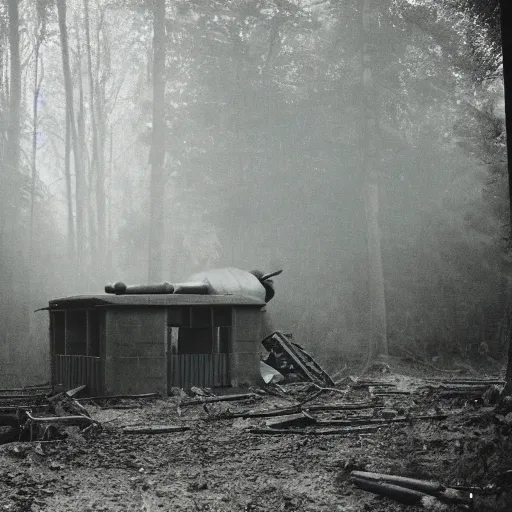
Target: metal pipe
{"points": [[120, 288], [60, 419], [198, 287]]}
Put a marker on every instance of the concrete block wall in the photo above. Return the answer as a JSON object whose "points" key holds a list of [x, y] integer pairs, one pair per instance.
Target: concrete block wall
{"points": [[136, 350], [246, 339]]}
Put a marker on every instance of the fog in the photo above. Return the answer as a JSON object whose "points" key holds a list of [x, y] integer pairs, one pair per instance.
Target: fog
{"points": [[278, 119]]}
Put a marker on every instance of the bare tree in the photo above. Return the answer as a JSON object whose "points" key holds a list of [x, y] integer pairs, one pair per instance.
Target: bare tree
{"points": [[96, 162], [506, 41], [378, 327], [84, 154], [12, 152], [69, 194], [40, 34], [103, 72], [9, 209], [157, 144], [70, 114]]}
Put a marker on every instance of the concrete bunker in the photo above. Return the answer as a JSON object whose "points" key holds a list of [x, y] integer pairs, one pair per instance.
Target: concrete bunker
{"points": [[200, 334]]}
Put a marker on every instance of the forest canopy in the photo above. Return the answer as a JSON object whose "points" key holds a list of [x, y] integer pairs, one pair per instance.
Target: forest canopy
{"points": [[151, 139]]}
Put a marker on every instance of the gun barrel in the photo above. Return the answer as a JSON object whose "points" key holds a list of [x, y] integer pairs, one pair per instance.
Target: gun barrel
{"points": [[139, 289], [192, 287], [270, 274]]}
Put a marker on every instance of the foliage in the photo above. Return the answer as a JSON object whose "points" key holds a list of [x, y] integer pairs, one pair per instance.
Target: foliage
{"points": [[263, 158]]}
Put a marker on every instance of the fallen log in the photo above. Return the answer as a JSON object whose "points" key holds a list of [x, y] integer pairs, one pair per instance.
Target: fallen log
{"points": [[380, 421], [21, 397], [118, 397], [461, 387], [391, 392], [426, 486], [338, 431], [363, 384], [343, 407], [395, 492], [382, 484], [265, 414], [474, 381], [165, 429], [26, 388], [269, 413], [459, 393], [296, 420], [223, 398], [122, 406]]}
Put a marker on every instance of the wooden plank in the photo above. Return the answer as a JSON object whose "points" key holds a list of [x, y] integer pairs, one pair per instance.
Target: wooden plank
{"points": [[224, 398], [113, 397], [21, 397], [291, 431]]}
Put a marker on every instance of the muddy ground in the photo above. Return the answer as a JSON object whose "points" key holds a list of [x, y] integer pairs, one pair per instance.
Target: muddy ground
{"points": [[220, 465]]}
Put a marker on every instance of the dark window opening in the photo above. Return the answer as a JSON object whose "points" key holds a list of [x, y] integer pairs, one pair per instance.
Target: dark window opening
{"points": [[221, 317], [76, 333], [93, 319], [200, 317], [59, 332], [195, 341], [178, 317]]}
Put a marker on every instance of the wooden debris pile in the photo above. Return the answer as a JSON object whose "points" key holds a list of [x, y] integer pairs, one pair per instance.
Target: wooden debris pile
{"points": [[292, 361], [344, 416], [40, 412], [483, 390]]}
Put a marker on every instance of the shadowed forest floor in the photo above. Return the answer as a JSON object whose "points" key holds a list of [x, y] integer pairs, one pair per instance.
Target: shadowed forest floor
{"points": [[220, 465]]}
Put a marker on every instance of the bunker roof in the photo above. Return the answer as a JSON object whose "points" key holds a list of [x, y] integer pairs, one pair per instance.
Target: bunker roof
{"points": [[107, 301]]}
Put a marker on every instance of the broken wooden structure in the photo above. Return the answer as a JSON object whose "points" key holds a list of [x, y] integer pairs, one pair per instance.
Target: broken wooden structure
{"points": [[289, 358], [39, 416]]}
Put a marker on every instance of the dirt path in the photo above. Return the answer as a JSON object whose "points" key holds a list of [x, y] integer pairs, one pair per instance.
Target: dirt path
{"points": [[219, 465]]}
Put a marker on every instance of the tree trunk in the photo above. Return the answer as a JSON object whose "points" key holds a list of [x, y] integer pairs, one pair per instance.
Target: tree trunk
{"points": [[69, 194], [157, 187], [87, 163], [79, 177], [378, 326], [506, 36], [376, 274], [12, 153], [33, 181], [96, 161], [84, 155], [109, 238], [10, 172], [38, 80]]}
